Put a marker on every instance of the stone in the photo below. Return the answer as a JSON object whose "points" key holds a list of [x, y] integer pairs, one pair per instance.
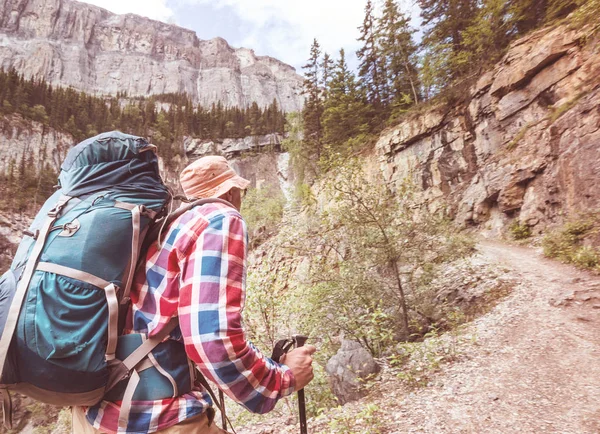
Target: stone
{"points": [[76, 44], [347, 368], [515, 101]]}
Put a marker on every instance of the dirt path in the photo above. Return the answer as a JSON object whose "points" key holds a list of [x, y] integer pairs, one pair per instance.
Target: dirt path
{"points": [[534, 366]]}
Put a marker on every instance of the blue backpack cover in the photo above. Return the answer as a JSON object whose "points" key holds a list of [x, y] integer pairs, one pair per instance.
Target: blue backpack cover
{"points": [[60, 300]]}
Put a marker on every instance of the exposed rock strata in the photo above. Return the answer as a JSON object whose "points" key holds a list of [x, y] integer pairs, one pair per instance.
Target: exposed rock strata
{"points": [[23, 142], [526, 145], [80, 45], [231, 148]]}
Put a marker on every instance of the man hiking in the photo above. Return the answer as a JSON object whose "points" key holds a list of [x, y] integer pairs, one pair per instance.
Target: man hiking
{"points": [[197, 272]]}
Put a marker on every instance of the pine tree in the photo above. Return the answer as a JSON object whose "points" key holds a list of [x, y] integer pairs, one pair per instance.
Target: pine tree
{"points": [[326, 67], [345, 115], [447, 21], [489, 33], [525, 15], [313, 107], [398, 51], [371, 71]]}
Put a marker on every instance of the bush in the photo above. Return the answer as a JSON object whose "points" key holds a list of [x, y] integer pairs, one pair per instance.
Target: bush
{"points": [[519, 231], [262, 210], [566, 243]]}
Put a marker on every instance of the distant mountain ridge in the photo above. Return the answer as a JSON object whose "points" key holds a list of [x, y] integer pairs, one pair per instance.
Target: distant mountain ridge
{"points": [[94, 50]]}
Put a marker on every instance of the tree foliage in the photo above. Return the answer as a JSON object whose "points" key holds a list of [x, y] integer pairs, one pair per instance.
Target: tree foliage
{"points": [[164, 119], [366, 254]]}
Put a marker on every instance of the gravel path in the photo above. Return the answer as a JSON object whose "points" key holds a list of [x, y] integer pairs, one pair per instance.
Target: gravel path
{"points": [[534, 366]]}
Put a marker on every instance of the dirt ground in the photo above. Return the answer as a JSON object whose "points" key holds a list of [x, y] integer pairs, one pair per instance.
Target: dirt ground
{"points": [[533, 365]]}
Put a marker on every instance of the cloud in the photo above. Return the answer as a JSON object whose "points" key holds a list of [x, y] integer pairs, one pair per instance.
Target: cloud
{"points": [[155, 9], [283, 29], [286, 29]]}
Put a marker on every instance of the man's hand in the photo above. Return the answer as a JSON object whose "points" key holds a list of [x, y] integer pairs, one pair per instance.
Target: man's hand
{"points": [[300, 363]]}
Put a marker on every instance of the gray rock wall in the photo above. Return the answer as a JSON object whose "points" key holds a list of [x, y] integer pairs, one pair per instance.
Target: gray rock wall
{"points": [[30, 142], [526, 144], [84, 46]]}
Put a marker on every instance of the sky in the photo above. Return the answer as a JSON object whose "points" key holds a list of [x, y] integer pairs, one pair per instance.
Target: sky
{"points": [[282, 29]]}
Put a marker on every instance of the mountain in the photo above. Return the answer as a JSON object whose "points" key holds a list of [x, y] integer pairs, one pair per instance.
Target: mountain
{"points": [[87, 47]]}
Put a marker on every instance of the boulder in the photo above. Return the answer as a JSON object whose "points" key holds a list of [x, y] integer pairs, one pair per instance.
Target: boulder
{"points": [[347, 368]]}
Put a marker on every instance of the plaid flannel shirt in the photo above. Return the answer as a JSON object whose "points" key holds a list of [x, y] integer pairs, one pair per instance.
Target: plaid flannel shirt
{"points": [[199, 275]]}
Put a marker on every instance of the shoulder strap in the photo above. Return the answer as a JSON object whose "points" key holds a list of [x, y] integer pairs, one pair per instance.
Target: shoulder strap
{"points": [[156, 229]]}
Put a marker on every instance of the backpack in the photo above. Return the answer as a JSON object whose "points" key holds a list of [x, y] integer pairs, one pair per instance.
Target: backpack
{"points": [[60, 300]]}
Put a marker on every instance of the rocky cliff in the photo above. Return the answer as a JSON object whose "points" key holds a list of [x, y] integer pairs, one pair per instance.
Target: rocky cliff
{"points": [[80, 45], [31, 144], [525, 145]]}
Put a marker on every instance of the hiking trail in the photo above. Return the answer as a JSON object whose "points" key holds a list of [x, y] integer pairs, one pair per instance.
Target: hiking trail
{"points": [[532, 367]]}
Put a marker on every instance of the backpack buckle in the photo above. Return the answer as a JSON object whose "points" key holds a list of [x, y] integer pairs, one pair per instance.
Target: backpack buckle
{"points": [[33, 235], [59, 206]]}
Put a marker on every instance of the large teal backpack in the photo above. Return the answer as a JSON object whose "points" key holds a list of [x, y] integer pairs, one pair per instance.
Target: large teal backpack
{"points": [[60, 300]]}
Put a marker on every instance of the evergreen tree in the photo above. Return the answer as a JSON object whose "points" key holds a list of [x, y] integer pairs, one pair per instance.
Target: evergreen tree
{"points": [[345, 115], [486, 37], [398, 51], [371, 71], [447, 21], [528, 14], [326, 67], [313, 106]]}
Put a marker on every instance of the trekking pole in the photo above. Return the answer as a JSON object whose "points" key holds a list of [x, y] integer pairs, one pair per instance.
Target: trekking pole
{"points": [[300, 340]]}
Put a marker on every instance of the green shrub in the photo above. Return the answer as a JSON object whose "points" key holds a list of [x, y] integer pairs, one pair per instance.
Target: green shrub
{"points": [[566, 243], [262, 210], [519, 231]]}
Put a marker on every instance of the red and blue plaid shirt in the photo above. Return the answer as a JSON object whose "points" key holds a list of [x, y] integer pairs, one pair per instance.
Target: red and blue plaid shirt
{"points": [[199, 274]]}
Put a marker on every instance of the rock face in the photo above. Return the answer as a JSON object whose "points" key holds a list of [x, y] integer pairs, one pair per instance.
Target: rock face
{"points": [[80, 45], [351, 364], [525, 145], [231, 148], [32, 144]]}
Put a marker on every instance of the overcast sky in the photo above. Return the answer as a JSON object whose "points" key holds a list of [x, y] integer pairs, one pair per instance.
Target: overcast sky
{"points": [[283, 29]]}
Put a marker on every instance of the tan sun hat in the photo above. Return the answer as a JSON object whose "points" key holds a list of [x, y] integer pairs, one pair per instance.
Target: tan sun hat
{"points": [[210, 177]]}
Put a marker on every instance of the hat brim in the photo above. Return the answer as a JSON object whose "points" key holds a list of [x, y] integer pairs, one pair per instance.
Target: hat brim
{"points": [[236, 181]]}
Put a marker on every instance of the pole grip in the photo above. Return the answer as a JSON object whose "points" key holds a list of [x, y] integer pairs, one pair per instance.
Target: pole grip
{"points": [[300, 340]]}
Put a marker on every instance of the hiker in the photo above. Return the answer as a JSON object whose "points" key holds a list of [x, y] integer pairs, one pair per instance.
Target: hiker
{"points": [[197, 271]]}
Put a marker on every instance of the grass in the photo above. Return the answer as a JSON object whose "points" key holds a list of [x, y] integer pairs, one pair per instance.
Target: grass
{"points": [[368, 420], [518, 137], [557, 112]]}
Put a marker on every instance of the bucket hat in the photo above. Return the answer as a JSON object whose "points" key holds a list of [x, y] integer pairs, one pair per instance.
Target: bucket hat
{"points": [[210, 176]]}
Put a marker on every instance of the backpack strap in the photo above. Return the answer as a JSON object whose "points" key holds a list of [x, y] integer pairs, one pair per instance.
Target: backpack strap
{"points": [[120, 370], [136, 362], [155, 232], [219, 403], [6, 408], [137, 211], [15, 307]]}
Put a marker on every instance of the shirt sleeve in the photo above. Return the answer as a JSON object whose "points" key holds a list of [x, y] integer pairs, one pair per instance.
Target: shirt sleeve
{"points": [[211, 300]]}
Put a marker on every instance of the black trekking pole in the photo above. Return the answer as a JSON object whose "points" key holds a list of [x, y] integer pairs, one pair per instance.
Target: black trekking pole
{"points": [[300, 340], [281, 348]]}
